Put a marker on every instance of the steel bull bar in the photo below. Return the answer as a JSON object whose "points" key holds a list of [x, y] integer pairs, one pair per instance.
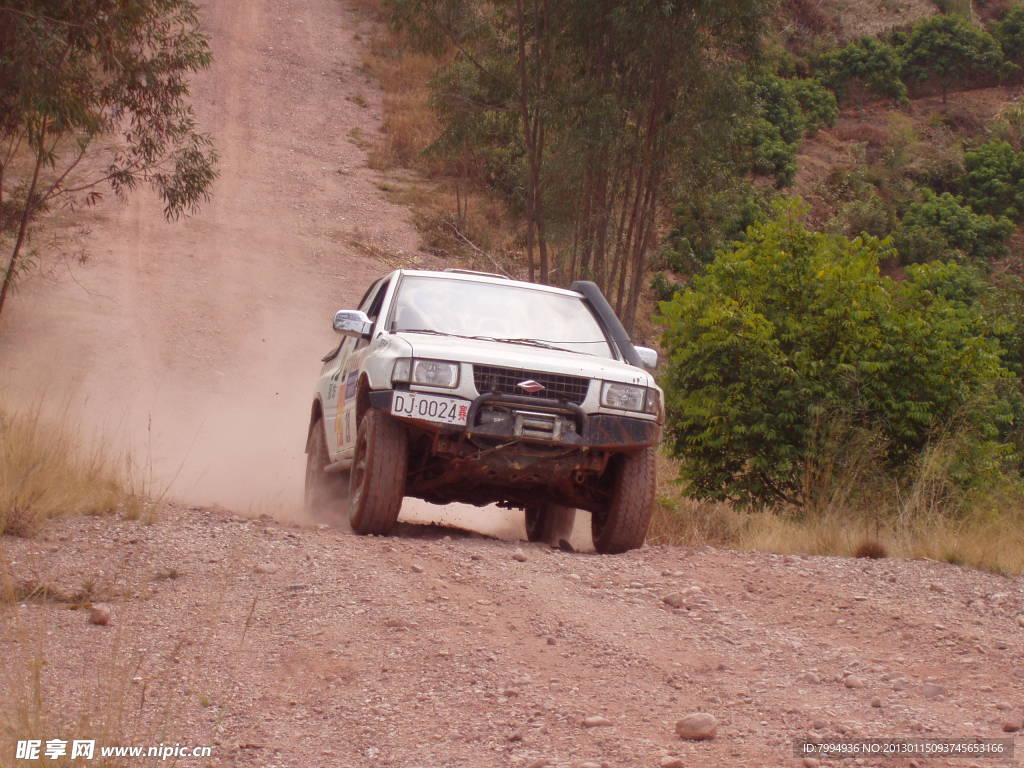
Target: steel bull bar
{"points": [[594, 431]]}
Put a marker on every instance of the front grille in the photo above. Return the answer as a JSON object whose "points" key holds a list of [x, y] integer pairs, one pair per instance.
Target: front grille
{"points": [[491, 378]]}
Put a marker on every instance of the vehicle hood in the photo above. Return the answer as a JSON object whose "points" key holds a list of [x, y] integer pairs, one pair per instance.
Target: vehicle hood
{"points": [[524, 357]]}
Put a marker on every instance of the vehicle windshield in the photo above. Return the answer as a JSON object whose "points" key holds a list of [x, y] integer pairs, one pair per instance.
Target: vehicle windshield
{"points": [[510, 313]]}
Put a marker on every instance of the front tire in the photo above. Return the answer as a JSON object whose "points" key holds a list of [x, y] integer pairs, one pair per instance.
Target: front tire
{"points": [[378, 473], [326, 493], [623, 525], [549, 523]]}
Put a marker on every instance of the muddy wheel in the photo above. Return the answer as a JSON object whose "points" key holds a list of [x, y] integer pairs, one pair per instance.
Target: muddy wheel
{"points": [[326, 492], [549, 523], [378, 473], [623, 525]]}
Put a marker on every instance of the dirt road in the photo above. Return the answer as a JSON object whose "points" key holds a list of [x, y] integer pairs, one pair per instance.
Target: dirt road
{"points": [[297, 645], [198, 341], [291, 646]]}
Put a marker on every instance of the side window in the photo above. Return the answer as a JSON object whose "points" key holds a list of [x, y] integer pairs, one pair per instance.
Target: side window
{"points": [[378, 301], [372, 303], [369, 296]]}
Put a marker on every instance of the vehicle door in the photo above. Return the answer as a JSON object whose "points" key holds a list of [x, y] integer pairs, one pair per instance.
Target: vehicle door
{"points": [[352, 353], [332, 383]]}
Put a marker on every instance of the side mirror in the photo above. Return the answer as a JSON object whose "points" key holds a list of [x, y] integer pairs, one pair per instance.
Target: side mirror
{"points": [[352, 322], [648, 357]]}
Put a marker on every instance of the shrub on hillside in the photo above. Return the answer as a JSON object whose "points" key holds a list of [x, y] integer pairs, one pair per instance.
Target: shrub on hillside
{"points": [[869, 215], [784, 111], [948, 48], [1008, 124], [993, 181], [941, 227], [793, 334], [704, 223], [769, 152], [817, 103], [1010, 33], [868, 63]]}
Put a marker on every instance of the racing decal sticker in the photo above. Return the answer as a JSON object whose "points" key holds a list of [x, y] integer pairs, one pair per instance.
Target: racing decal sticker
{"points": [[340, 423]]}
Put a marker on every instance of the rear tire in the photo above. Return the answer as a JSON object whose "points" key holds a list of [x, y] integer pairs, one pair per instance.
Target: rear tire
{"points": [[326, 493], [549, 523], [378, 473], [623, 526]]}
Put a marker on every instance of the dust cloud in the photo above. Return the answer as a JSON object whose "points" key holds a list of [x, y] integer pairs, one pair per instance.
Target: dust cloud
{"points": [[195, 345]]}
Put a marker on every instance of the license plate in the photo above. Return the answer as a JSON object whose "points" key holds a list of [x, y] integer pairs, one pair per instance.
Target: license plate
{"points": [[417, 405]]}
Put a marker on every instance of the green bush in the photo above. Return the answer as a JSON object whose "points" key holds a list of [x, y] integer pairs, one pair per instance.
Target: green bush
{"points": [[868, 62], [949, 48], [664, 288], [769, 152], [869, 215], [792, 329], [993, 181], [817, 103], [1010, 33], [941, 228], [704, 223], [783, 112]]}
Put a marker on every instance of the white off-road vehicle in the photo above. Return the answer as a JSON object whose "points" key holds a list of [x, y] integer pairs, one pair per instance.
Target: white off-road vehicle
{"points": [[461, 386]]}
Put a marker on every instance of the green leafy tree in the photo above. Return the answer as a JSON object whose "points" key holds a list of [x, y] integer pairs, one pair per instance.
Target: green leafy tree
{"points": [[1010, 33], [993, 179], [769, 152], [792, 328], [609, 104], [783, 112], [941, 228], [817, 103], [73, 73], [950, 48], [704, 223], [869, 63]]}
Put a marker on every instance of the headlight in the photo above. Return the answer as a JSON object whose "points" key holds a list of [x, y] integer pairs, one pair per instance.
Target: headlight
{"points": [[432, 373], [401, 370], [653, 404], [629, 397]]}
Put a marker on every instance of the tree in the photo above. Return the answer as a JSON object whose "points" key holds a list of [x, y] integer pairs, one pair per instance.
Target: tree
{"points": [[792, 333], [993, 179], [505, 52], [783, 111], [817, 103], [948, 48], [610, 101], [73, 73], [1010, 33], [668, 72], [942, 228], [869, 63]]}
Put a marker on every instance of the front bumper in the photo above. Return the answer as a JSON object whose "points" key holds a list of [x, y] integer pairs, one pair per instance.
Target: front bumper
{"points": [[540, 421]]}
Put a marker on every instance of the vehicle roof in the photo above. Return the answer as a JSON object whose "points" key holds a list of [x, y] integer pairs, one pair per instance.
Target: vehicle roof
{"points": [[482, 278]]}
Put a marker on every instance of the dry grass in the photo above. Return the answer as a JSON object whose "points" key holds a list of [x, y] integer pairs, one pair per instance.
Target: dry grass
{"points": [[462, 223], [47, 470], [410, 125], [984, 531], [470, 229]]}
